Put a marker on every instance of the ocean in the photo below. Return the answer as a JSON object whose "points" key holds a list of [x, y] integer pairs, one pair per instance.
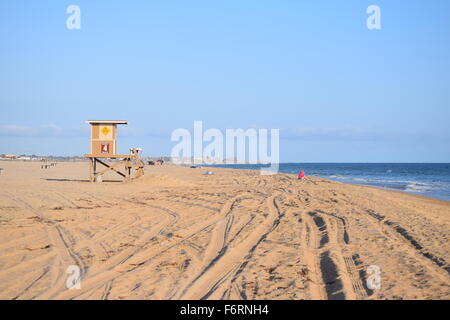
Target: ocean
{"points": [[427, 179]]}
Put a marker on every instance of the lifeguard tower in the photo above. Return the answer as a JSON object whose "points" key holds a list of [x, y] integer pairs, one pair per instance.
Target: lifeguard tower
{"points": [[104, 146]]}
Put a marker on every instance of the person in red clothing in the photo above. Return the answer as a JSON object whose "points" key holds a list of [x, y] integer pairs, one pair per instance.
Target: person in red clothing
{"points": [[301, 175]]}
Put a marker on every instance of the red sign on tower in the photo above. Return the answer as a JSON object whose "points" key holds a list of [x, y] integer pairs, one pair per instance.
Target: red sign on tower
{"points": [[105, 148]]}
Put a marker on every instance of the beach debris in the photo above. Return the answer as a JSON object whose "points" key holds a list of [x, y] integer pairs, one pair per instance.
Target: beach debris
{"points": [[38, 248], [303, 272], [208, 173], [158, 162], [46, 166]]}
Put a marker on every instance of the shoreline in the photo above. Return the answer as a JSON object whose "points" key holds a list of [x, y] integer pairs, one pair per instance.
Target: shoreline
{"points": [[347, 180]]}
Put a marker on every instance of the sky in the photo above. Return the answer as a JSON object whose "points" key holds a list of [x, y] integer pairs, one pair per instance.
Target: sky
{"points": [[337, 91]]}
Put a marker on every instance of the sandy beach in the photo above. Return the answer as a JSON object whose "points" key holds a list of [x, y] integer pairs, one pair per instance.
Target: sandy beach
{"points": [[176, 233]]}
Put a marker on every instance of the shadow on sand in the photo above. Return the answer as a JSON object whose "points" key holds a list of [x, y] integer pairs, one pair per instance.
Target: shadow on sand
{"points": [[78, 180]]}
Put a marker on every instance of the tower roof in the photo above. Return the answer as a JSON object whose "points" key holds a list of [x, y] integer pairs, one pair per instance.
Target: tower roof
{"points": [[107, 121]]}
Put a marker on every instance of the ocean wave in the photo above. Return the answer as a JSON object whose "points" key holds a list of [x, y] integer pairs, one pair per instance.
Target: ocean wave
{"points": [[421, 187], [413, 186]]}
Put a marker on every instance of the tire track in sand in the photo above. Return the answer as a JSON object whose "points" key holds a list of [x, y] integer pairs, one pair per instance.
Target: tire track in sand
{"points": [[135, 262], [213, 281], [122, 261], [325, 240], [353, 283], [59, 240], [215, 246], [309, 244], [395, 233]]}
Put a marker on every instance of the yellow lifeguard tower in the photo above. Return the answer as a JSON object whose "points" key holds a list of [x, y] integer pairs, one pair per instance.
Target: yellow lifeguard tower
{"points": [[104, 146]]}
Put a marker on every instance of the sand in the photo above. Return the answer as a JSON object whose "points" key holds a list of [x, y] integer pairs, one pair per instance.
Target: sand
{"points": [[178, 234]]}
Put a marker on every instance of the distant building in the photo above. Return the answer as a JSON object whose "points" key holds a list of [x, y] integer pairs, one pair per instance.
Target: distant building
{"points": [[10, 156]]}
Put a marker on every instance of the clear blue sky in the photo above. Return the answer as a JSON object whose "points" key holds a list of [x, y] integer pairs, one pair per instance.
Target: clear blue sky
{"points": [[337, 91]]}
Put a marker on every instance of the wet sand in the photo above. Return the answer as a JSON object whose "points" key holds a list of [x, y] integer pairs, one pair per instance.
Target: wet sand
{"points": [[178, 234]]}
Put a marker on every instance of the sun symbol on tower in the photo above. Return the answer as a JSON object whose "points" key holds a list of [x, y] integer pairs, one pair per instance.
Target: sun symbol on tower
{"points": [[105, 131]]}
